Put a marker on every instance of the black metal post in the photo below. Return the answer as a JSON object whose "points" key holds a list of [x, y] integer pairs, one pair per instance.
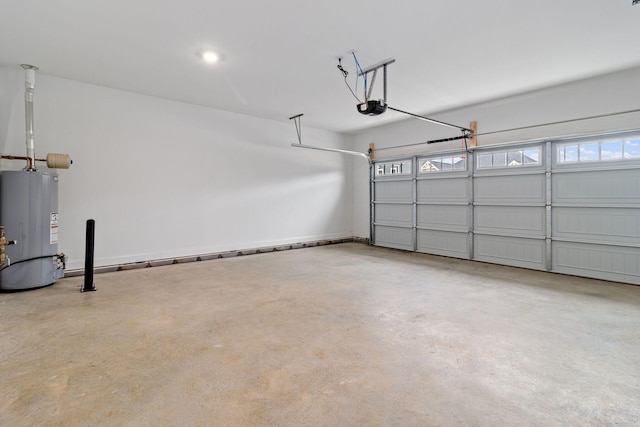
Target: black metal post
{"points": [[88, 258]]}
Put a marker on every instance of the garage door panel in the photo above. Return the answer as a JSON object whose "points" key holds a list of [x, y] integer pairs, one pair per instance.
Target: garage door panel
{"points": [[510, 189], [450, 190], [597, 187], [398, 215], [444, 217], [394, 237], [394, 191], [606, 225], [597, 261], [517, 252], [444, 243], [511, 220]]}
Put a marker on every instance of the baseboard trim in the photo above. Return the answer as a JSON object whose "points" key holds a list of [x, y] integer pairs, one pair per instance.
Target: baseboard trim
{"points": [[215, 255]]}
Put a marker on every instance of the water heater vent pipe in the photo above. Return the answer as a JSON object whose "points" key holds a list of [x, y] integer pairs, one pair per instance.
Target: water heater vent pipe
{"points": [[30, 83]]}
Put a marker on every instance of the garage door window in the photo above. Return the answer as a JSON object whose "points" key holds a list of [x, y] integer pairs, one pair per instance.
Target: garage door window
{"points": [[597, 151], [394, 168], [510, 158], [447, 163], [632, 148]]}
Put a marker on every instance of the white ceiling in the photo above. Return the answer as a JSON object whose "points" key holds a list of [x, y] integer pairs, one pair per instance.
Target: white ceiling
{"points": [[280, 56]]}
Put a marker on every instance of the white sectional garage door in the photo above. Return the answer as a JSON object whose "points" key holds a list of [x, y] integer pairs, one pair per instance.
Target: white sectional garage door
{"points": [[568, 206], [393, 205], [596, 208], [510, 206], [443, 206]]}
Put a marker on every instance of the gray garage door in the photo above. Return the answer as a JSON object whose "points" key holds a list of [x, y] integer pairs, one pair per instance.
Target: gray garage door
{"points": [[444, 212], [393, 204], [596, 208], [570, 206], [510, 206]]}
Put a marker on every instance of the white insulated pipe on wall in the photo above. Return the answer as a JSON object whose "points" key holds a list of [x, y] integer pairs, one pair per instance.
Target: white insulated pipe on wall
{"points": [[30, 83]]}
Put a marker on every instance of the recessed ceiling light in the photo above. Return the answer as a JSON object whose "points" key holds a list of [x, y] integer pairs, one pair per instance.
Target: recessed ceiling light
{"points": [[210, 56]]}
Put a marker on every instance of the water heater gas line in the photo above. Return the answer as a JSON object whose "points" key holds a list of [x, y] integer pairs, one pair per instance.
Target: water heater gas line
{"points": [[53, 160], [3, 245]]}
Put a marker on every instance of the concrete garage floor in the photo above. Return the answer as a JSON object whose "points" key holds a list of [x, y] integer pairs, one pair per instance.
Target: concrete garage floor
{"points": [[327, 336]]}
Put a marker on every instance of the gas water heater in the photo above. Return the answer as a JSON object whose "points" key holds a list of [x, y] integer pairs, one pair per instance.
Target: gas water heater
{"points": [[29, 255], [29, 215]]}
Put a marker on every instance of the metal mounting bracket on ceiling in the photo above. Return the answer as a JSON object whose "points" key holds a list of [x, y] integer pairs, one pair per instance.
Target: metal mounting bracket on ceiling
{"points": [[376, 107], [374, 70], [296, 121]]}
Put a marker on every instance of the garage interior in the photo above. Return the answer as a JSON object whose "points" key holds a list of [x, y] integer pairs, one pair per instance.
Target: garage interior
{"points": [[437, 277]]}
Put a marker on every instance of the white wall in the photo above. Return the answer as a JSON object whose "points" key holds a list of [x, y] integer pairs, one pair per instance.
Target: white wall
{"points": [[165, 179], [596, 96]]}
